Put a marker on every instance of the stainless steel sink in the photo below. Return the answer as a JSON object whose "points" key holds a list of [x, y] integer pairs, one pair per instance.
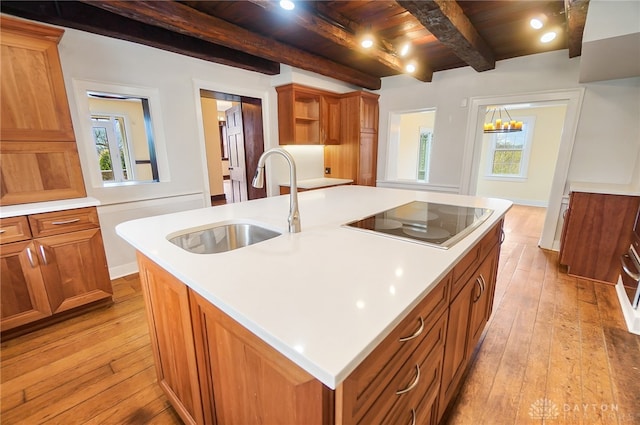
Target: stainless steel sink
{"points": [[222, 237]]}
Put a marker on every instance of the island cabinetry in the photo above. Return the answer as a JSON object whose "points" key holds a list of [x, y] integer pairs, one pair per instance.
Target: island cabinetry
{"points": [[596, 232], [38, 153], [406, 366], [469, 311], [59, 268], [307, 116], [245, 381], [215, 371], [172, 341]]}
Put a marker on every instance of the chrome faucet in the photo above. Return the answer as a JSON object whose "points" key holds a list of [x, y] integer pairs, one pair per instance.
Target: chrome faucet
{"points": [[258, 182]]}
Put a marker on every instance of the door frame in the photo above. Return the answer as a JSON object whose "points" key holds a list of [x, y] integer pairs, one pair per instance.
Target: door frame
{"points": [[231, 88], [471, 159]]}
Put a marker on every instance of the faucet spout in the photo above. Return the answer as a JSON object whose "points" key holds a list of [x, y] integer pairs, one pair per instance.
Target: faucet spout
{"points": [[258, 182]]}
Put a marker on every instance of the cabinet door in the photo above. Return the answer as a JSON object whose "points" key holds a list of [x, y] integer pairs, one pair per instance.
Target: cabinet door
{"points": [[330, 120], [367, 159], [74, 268], [455, 349], [34, 103], [39, 171], [248, 381], [369, 113], [481, 299], [24, 298], [167, 305]]}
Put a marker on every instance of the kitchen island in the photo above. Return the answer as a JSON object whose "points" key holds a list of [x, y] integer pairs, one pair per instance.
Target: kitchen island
{"points": [[330, 325]]}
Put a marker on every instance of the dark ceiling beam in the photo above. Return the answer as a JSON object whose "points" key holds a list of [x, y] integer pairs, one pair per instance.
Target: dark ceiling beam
{"points": [[446, 20], [346, 39], [87, 18], [576, 13], [182, 19]]}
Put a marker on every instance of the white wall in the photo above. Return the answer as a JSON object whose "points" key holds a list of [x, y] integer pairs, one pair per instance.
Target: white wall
{"points": [[86, 56], [608, 135]]}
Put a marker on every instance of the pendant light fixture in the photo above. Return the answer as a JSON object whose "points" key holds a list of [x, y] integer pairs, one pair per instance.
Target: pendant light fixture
{"points": [[501, 124]]}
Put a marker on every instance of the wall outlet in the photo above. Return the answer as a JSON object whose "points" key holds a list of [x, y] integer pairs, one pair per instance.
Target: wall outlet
{"points": [[327, 170]]}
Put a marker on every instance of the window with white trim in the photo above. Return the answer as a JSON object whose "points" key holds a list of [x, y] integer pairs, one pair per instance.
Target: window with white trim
{"points": [[508, 155]]}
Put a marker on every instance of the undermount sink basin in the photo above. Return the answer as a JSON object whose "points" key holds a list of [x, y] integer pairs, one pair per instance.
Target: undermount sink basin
{"points": [[222, 237]]}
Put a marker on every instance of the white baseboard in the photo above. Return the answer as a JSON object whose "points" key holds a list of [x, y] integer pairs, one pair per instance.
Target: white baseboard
{"points": [[123, 270]]}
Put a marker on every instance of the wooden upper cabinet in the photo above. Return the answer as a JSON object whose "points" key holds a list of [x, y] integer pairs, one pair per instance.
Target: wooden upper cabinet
{"points": [[38, 154], [330, 120], [34, 103], [307, 116]]}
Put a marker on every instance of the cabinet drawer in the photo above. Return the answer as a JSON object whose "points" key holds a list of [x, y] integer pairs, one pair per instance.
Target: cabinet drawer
{"points": [[14, 229], [365, 384], [419, 377], [56, 223]]}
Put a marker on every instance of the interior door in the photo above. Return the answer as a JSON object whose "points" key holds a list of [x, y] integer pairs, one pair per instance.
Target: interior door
{"points": [[237, 162]]}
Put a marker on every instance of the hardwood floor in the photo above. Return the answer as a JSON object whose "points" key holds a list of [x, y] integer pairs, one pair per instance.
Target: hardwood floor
{"points": [[553, 341]]}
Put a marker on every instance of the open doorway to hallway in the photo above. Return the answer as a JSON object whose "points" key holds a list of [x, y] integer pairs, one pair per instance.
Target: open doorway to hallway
{"points": [[234, 141], [519, 165]]}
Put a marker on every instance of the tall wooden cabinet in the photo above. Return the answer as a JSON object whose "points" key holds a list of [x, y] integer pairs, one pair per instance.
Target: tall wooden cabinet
{"points": [[356, 156], [38, 153], [596, 232]]}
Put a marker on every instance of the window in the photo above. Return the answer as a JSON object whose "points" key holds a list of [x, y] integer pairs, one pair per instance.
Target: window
{"points": [[124, 146], [508, 156], [112, 148], [424, 152], [410, 145]]}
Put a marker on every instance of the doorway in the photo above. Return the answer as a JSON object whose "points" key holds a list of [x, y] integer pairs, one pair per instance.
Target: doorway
{"points": [[234, 141], [572, 99], [519, 165]]}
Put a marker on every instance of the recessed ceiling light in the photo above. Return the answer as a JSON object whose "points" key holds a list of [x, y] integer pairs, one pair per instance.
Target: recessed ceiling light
{"points": [[548, 37], [410, 68], [535, 23], [367, 41], [287, 4], [404, 50]]}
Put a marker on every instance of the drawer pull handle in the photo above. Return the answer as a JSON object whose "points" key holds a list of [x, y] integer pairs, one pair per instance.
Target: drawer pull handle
{"points": [[58, 223], [413, 417], [30, 258], [479, 282], [2, 231], [627, 270], [44, 255], [413, 383], [415, 334], [502, 236], [484, 283]]}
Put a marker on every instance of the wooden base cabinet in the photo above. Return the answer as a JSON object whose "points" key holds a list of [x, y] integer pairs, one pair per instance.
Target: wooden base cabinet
{"points": [[215, 371], [55, 270], [596, 232]]}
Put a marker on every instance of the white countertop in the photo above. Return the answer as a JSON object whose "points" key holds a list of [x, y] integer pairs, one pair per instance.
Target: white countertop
{"points": [[43, 207], [324, 297], [319, 182], [605, 188]]}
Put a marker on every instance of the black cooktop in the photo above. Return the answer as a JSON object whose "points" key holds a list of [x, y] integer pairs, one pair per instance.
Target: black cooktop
{"points": [[439, 225]]}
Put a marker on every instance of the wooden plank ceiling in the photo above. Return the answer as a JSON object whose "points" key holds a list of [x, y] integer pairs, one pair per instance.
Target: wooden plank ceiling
{"points": [[324, 36]]}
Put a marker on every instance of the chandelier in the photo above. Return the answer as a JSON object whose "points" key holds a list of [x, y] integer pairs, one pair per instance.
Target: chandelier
{"points": [[500, 124]]}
